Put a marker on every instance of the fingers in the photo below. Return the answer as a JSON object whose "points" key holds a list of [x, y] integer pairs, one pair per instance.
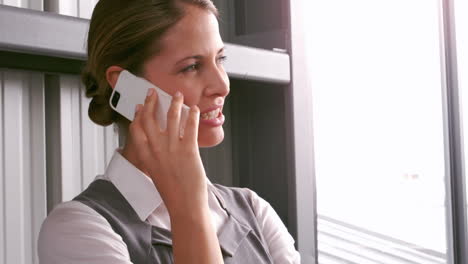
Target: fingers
{"points": [[191, 128], [173, 118], [148, 115], [148, 133], [149, 108], [138, 137]]}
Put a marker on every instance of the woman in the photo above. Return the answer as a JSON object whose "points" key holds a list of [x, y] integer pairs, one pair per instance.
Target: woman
{"points": [[155, 204]]}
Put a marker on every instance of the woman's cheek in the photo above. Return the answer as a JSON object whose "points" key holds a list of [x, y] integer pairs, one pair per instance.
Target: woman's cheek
{"points": [[191, 99], [192, 93]]}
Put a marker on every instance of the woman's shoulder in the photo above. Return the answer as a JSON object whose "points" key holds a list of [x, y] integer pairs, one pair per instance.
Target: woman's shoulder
{"points": [[71, 208], [72, 229], [259, 205], [67, 220], [230, 190], [71, 211]]}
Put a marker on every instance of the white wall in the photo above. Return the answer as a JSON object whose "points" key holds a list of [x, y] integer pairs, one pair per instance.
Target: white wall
{"points": [[22, 159], [30, 141], [22, 165], [83, 148]]}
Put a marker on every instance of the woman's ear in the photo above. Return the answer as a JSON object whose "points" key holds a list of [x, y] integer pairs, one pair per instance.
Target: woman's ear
{"points": [[112, 74]]}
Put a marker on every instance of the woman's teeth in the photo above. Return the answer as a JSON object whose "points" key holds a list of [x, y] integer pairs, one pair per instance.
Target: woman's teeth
{"points": [[210, 115]]}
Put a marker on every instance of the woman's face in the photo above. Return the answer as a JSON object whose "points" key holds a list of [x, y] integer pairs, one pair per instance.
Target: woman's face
{"points": [[191, 62]]}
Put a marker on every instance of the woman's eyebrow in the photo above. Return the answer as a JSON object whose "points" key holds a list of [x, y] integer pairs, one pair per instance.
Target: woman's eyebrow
{"points": [[197, 57]]}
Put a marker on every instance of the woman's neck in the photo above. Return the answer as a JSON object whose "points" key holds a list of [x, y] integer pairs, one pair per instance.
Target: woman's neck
{"points": [[128, 151], [123, 134]]}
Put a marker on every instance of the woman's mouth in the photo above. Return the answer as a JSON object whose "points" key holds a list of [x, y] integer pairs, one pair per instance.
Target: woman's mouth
{"points": [[212, 118], [211, 114]]}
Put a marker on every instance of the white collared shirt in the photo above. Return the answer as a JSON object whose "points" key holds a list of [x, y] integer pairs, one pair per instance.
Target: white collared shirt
{"points": [[74, 233]]}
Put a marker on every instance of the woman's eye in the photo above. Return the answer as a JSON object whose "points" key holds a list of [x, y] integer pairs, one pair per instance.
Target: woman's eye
{"points": [[190, 68], [196, 66], [222, 59]]}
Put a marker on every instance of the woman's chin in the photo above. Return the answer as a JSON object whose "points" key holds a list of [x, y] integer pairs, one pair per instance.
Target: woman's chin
{"points": [[210, 138]]}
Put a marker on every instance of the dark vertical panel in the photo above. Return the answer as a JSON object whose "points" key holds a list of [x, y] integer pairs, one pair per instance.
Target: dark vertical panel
{"points": [[290, 148], [240, 15], [258, 16], [259, 141], [290, 160], [226, 19], [218, 160], [53, 145], [260, 23]]}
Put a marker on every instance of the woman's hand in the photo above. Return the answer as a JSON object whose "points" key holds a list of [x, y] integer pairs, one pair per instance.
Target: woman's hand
{"points": [[173, 162]]}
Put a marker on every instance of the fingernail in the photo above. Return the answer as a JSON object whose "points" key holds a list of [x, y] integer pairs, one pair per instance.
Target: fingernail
{"points": [[137, 108], [178, 94], [150, 92]]}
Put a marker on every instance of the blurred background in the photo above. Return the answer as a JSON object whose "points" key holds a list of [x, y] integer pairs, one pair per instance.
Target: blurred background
{"points": [[347, 116]]}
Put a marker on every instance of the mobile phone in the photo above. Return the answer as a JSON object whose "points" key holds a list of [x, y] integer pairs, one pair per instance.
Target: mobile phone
{"points": [[131, 90]]}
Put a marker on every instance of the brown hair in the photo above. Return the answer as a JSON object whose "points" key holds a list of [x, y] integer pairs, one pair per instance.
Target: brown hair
{"points": [[126, 33]]}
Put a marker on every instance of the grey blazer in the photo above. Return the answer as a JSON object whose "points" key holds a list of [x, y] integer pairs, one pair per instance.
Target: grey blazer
{"points": [[240, 238]]}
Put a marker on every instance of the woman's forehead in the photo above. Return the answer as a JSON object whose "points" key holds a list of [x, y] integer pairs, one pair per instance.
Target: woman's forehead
{"points": [[197, 31]]}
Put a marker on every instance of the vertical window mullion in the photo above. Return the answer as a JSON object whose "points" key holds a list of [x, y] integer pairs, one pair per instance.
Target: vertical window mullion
{"points": [[456, 192], [301, 121]]}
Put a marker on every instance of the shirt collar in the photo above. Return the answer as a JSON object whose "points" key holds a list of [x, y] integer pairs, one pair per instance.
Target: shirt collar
{"points": [[135, 186]]}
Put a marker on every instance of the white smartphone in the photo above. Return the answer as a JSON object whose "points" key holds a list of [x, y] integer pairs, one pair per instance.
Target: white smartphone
{"points": [[131, 90]]}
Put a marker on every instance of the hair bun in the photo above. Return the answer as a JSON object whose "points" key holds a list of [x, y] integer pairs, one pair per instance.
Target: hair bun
{"points": [[100, 112], [90, 83]]}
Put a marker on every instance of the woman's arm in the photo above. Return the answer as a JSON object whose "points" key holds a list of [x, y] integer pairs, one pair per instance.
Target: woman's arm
{"points": [[73, 233], [174, 164], [194, 239], [280, 242]]}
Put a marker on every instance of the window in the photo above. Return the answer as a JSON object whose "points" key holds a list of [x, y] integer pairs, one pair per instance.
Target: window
{"points": [[378, 127]]}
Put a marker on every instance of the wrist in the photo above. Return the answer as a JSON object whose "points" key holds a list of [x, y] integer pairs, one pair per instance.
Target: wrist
{"points": [[190, 215], [187, 203]]}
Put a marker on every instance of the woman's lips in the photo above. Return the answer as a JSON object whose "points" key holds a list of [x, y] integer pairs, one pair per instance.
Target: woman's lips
{"points": [[213, 117], [210, 114]]}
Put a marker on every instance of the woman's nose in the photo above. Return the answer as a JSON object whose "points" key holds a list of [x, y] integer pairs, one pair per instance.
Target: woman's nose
{"points": [[217, 82]]}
